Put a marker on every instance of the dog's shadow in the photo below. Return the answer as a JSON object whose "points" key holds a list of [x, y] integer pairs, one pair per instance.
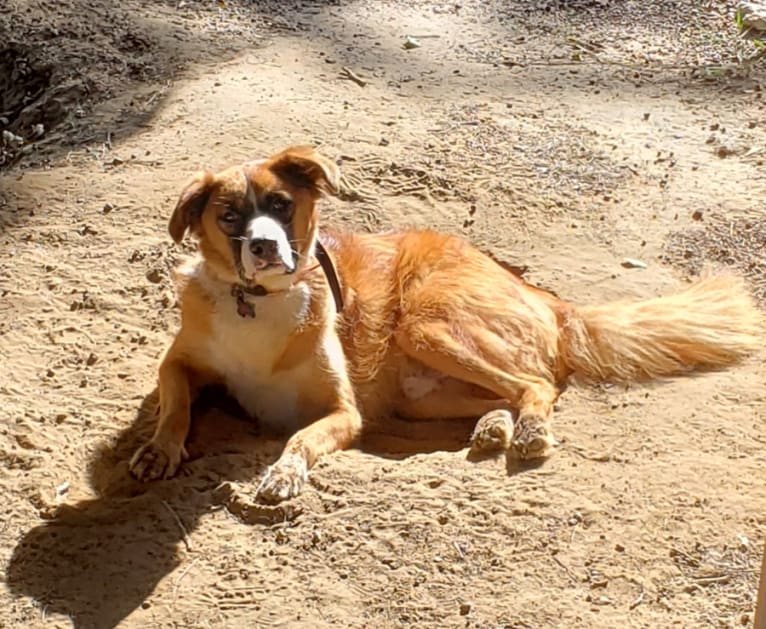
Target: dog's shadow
{"points": [[98, 560]]}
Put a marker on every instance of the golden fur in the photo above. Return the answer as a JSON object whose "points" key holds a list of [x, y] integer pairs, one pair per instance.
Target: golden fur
{"points": [[432, 328]]}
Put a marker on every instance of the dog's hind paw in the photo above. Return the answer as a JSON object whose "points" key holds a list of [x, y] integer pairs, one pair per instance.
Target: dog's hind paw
{"points": [[532, 438], [283, 480], [493, 432]]}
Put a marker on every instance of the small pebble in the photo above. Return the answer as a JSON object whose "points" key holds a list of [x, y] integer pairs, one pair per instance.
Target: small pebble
{"points": [[12, 139], [724, 151], [410, 43], [633, 263], [62, 489]]}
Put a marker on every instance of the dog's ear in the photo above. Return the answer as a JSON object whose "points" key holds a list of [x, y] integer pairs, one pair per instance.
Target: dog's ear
{"points": [[190, 205], [304, 167]]}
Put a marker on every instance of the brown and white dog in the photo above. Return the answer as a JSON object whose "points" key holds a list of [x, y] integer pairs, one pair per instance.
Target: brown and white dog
{"points": [[429, 327]]}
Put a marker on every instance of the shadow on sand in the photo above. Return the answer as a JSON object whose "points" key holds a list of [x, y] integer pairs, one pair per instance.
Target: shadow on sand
{"points": [[74, 563]]}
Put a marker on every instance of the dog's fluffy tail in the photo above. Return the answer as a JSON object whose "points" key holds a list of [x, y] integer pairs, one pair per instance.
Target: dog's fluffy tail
{"points": [[712, 324]]}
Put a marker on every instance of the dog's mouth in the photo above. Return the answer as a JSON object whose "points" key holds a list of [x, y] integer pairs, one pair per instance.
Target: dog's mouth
{"points": [[269, 268], [254, 270], [286, 269], [266, 265]]}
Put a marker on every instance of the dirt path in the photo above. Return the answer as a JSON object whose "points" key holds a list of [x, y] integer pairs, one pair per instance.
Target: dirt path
{"points": [[566, 138]]}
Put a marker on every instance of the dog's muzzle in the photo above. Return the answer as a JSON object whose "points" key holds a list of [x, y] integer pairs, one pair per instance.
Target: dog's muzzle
{"points": [[267, 248]]}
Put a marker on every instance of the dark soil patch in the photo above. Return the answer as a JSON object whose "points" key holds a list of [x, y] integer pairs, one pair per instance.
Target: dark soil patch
{"points": [[738, 243]]}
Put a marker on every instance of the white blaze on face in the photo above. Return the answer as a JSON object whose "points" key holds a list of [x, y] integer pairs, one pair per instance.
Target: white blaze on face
{"points": [[266, 228]]}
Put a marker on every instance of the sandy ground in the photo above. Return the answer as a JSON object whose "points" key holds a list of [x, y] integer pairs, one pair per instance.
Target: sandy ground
{"points": [[562, 136]]}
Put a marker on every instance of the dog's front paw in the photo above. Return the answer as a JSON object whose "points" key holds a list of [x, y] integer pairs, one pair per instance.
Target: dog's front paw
{"points": [[283, 480], [155, 460]]}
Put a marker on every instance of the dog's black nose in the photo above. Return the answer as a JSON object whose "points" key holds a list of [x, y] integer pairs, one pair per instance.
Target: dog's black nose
{"points": [[263, 248]]}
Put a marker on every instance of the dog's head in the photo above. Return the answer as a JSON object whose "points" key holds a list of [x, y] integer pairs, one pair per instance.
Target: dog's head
{"points": [[257, 223]]}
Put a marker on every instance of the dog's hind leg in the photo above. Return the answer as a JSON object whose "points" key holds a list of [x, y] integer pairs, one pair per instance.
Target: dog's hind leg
{"points": [[441, 404], [494, 431], [429, 395], [456, 399], [475, 355]]}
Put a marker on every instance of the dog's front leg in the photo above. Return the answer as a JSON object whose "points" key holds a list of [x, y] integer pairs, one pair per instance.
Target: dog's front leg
{"points": [[337, 430], [163, 453], [286, 477]]}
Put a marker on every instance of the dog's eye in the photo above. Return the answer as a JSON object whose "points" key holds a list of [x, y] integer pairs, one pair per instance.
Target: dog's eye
{"points": [[229, 217], [280, 207]]}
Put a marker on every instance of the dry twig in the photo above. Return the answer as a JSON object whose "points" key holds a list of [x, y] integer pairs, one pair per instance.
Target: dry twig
{"points": [[348, 73], [184, 532]]}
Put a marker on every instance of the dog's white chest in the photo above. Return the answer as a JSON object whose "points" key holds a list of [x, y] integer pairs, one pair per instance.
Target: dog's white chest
{"points": [[244, 352]]}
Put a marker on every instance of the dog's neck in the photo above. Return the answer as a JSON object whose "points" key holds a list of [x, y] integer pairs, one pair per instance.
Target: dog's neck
{"points": [[246, 309]]}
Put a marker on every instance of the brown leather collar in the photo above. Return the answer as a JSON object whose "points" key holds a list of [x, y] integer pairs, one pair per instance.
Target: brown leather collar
{"points": [[247, 310], [325, 261]]}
